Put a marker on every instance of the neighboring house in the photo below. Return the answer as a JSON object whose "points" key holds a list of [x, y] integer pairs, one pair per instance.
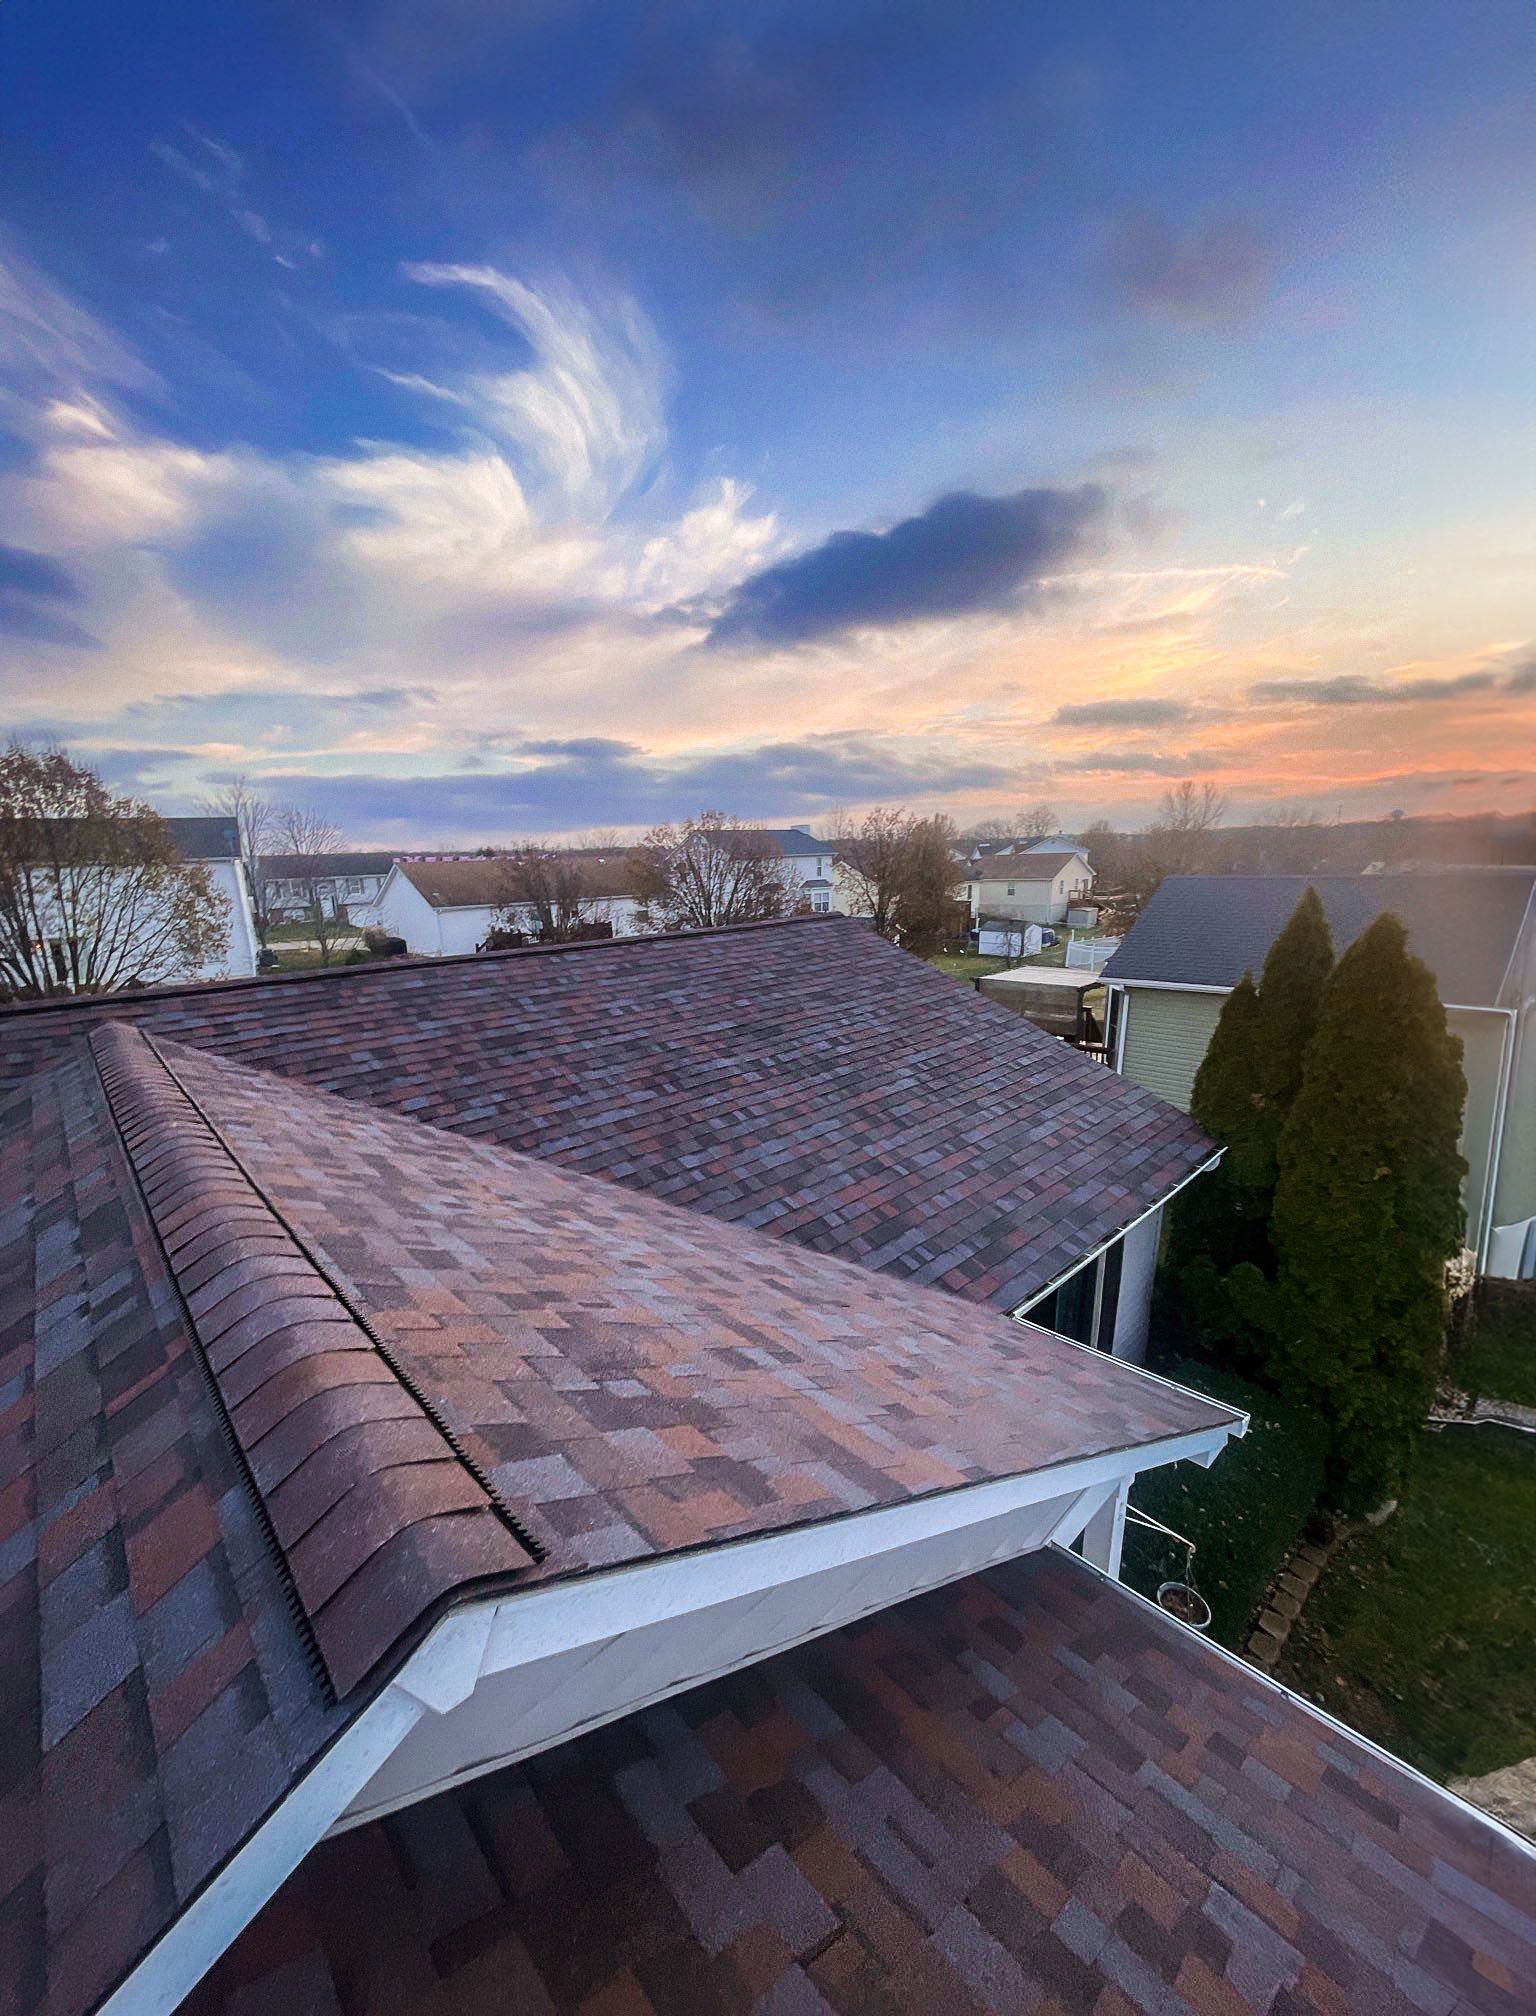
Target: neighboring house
{"points": [[811, 864], [345, 885], [451, 904], [1026, 887], [390, 1483], [216, 843], [1473, 927]]}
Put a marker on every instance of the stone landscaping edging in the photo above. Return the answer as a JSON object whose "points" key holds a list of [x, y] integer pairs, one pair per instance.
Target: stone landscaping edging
{"points": [[1286, 1595]]}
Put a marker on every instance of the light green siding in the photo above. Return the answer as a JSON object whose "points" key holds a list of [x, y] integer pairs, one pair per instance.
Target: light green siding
{"points": [[1166, 1033]]}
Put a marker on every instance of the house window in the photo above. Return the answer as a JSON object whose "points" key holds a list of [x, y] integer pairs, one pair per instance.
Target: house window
{"points": [[1010, 888], [820, 900], [1084, 1306]]}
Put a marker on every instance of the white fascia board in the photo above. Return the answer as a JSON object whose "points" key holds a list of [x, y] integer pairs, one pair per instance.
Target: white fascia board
{"points": [[1171, 986], [481, 1642]]}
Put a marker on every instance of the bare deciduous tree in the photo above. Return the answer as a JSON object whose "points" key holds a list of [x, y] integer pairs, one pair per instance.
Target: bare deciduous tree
{"points": [[708, 871], [901, 872], [309, 838], [1038, 823], [548, 897], [1178, 842], [254, 819], [95, 895]]}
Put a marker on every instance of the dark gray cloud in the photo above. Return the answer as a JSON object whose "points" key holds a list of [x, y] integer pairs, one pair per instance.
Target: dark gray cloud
{"points": [[1349, 689], [1143, 762], [1208, 278], [36, 594], [964, 554], [1121, 714], [617, 784]]}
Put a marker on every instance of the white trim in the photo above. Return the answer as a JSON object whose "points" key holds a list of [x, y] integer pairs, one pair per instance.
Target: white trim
{"points": [[1260, 1678], [1104, 1534], [524, 1627], [1172, 986]]}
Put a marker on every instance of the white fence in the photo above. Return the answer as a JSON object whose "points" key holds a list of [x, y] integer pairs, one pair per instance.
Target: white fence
{"points": [[1090, 953]]}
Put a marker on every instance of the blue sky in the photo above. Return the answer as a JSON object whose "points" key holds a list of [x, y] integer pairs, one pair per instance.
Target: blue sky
{"points": [[480, 419]]}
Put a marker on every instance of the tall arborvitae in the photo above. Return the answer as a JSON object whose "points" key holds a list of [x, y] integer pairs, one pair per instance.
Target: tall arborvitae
{"points": [[1220, 1255], [1210, 1228], [1368, 1210], [1290, 995]]}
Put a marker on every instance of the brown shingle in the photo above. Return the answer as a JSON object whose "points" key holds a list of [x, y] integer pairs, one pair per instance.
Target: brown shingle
{"points": [[275, 1316], [911, 1814], [805, 1079]]}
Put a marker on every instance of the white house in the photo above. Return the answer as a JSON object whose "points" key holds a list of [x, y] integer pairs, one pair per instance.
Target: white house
{"points": [[809, 863], [450, 904], [1026, 887], [343, 884], [216, 844]]}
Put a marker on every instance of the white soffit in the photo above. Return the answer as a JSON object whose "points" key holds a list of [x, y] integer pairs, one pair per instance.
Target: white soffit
{"points": [[515, 1674]]}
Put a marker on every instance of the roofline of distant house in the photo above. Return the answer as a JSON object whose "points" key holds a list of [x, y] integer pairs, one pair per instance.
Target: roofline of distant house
{"points": [[374, 968], [445, 1665]]}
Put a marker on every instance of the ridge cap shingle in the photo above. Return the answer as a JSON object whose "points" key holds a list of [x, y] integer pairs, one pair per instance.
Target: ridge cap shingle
{"points": [[352, 1485]]}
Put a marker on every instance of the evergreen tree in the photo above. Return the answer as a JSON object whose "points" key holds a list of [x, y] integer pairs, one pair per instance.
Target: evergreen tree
{"points": [[1290, 996], [1220, 1255], [1208, 1222], [1368, 1209]]}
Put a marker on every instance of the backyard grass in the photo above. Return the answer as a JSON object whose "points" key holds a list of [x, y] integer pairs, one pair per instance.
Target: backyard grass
{"points": [[300, 932], [1494, 1355], [1420, 1633], [1244, 1514]]}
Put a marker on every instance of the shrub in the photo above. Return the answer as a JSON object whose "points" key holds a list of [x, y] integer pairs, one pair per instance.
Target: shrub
{"points": [[1245, 1514]]}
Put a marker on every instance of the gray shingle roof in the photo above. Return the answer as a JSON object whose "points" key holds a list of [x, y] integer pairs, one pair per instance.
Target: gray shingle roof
{"points": [[1206, 930], [206, 839]]}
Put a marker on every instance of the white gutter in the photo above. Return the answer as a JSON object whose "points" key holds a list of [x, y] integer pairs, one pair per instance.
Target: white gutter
{"points": [[703, 1599], [1021, 1314]]}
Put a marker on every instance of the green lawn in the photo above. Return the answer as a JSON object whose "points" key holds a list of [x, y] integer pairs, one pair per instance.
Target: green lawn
{"points": [[1494, 1358], [1421, 1632], [1244, 1514], [300, 931]]}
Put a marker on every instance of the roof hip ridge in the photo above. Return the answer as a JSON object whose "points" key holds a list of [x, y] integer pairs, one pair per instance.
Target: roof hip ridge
{"points": [[321, 1416]]}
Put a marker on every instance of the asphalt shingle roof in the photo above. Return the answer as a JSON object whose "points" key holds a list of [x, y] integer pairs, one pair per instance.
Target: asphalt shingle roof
{"points": [[206, 839], [805, 1079], [284, 1375], [1025, 1792], [1207, 930]]}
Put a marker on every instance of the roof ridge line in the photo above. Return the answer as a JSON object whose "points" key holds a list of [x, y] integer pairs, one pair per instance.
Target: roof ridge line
{"points": [[276, 1352], [176, 990]]}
